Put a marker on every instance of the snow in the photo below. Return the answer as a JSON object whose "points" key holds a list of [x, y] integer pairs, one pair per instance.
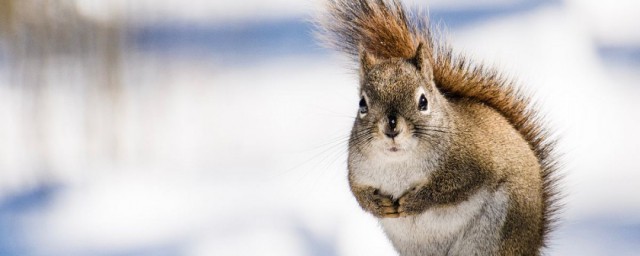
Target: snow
{"points": [[250, 158], [222, 10], [609, 23]]}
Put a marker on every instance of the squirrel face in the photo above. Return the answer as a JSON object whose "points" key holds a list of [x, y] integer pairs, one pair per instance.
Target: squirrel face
{"points": [[400, 109]]}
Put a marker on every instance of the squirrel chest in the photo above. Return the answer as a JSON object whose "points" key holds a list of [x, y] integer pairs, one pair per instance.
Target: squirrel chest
{"points": [[393, 176]]}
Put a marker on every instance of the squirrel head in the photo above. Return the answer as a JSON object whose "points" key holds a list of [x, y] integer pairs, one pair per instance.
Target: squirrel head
{"points": [[400, 110]]}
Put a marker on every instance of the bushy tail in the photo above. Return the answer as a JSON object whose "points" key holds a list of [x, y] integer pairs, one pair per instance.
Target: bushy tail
{"points": [[383, 28], [380, 27]]}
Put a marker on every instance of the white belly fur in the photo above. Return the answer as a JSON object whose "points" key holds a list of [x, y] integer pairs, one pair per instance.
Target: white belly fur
{"points": [[464, 229], [392, 177], [441, 230]]}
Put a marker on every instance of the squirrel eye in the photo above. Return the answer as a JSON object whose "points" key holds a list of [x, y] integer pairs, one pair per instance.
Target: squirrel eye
{"points": [[422, 103], [363, 106]]}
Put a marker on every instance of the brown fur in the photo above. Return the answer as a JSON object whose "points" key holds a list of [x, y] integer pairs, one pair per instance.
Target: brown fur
{"points": [[383, 29]]}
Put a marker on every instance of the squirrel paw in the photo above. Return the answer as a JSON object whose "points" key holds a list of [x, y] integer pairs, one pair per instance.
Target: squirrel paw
{"points": [[384, 206], [412, 203]]}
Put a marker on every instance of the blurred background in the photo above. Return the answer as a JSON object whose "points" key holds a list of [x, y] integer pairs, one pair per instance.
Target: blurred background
{"points": [[215, 127]]}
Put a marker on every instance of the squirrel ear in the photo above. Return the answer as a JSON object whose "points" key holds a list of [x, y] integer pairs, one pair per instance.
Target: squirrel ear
{"points": [[421, 62], [366, 60]]}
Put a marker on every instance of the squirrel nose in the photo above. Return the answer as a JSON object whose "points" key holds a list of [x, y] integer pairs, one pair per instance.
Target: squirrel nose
{"points": [[393, 122]]}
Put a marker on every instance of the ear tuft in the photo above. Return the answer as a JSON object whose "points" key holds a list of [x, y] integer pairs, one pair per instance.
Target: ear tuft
{"points": [[421, 62], [367, 60]]}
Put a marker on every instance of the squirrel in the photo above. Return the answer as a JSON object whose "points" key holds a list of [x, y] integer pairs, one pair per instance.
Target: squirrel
{"points": [[450, 156]]}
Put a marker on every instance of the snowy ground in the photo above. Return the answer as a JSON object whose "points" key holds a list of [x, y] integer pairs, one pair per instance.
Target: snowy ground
{"points": [[232, 136]]}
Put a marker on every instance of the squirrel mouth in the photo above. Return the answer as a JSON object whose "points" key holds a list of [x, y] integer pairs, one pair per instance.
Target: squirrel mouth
{"points": [[394, 149]]}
